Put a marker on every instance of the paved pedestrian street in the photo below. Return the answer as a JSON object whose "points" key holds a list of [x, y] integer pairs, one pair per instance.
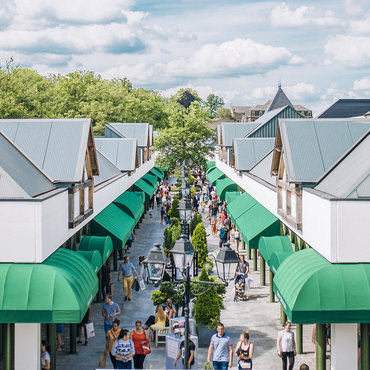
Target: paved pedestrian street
{"points": [[256, 314]]}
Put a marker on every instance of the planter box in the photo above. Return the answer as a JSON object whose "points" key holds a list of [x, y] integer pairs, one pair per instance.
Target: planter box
{"points": [[204, 335]]}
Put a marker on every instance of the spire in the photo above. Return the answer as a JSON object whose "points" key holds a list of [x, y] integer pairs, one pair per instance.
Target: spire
{"points": [[280, 100]]}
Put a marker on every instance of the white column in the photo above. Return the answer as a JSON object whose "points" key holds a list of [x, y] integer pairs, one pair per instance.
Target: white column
{"points": [[344, 346], [27, 341]]}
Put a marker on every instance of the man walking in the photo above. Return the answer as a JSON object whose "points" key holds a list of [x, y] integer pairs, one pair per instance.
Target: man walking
{"points": [[222, 349], [127, 269], [110, 311]]}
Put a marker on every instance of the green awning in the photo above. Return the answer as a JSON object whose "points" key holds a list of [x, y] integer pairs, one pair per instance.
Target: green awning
{"points": [[231, 195], [140, 194], [113, 222], [277, 259], [210, 170], [215, 175], [141, 185], [59, 290], [313, 290], [210, 164], [158, 172], [131, 203], [151, 179], [257, 221], [93, 257], [224, 185], [240, 205], [267, 245], [103, 244]]}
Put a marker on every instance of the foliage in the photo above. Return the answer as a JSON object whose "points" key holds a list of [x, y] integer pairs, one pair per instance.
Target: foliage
{"points": [[191, 180], [193, 190], [224, 113], [171, 234], [207, 307], [174, 210], [213, 103], [167, 239], [197, 218], [186, 96], [199, 241], [168, 290]]}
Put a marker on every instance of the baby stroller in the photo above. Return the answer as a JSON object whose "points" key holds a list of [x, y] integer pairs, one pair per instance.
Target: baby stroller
{"points": [[239, 286]]}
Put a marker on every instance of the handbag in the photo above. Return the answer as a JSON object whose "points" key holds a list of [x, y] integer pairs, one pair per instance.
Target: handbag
{"points": [[103, 360], [90, 331], [245, 364], [146, 348], [142, 284], [135, 285]]}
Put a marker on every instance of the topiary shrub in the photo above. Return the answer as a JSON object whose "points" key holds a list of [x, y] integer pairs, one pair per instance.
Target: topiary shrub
{"points": [[197, 218], [199, 241], [191, 180], [167, 239], [171, 234], [174, 210]]}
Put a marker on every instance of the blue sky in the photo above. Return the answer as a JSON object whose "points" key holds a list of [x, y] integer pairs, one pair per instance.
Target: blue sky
{"points": [[319, 50]]}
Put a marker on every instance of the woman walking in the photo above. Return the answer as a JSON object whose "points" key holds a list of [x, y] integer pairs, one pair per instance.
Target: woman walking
{"points": [[140, 338], [123, 350], [45, 355], [244, 351], [286, 347], [112, 336]]}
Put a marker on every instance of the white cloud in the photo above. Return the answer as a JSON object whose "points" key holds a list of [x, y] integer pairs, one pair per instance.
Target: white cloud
{"points": [[363, 84], [351, 50], [283, 16], [361, 26], [294, 92]]}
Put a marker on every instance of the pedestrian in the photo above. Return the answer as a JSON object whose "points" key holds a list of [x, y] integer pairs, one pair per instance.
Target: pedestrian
{"points": [[213, 226], [222, 349], [142, 271], [110, 311], [170, 311], [244, 351], [112, 336], [45, 355], [130, 239], [140, 338], [82, 327], [158, 197], [162, 215], [286, 347], [127, 269], [123, 350], [60, 331], [243, 266], [237, 239], [223, 236], [181, 353], [151, 212], [105, 279], [304, 367]]}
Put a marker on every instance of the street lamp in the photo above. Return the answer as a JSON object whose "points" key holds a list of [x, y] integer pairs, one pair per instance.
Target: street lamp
{"points": [[185, 209], [226, 263], [156, 263], [183, 254]]}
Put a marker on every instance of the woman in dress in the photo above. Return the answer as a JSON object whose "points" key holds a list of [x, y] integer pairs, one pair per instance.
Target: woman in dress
{"points": [[244, 351], [45, 355], [123, 350], [159, 322], [112, 336], [139, 337]]}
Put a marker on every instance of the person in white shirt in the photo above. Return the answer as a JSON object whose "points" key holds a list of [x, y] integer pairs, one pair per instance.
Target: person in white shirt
{"points": [[286, 347]]}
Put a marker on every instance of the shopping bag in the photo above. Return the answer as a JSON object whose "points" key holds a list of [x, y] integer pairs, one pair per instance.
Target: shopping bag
{"points": [[146, 348], [103, 360], [142, 284], [90, 331]]}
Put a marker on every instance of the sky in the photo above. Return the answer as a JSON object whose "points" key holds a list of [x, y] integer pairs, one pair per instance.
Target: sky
{"points": [[239, 50]]}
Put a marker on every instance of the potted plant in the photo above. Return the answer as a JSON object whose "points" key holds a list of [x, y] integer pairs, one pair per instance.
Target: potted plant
{"points": [[199, 241]]}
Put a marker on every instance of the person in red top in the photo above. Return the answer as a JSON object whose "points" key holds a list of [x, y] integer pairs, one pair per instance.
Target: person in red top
{"points": [[139, 337]]}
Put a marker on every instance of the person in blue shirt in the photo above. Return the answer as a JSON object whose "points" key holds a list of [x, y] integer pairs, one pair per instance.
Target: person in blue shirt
{"points": [[110, 311], [123, 350], [127, 269], [222, 349]]}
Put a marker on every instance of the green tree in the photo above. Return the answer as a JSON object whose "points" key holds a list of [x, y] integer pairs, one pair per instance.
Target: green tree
{"points": [[213, 103], [186, 96], [199, 241], [224, 113], [187, 139], [197, 218], [174, 210]]}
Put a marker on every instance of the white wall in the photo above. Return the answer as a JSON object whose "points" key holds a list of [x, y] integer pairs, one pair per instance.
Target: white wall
{"points": [[27, 346], [344, 351]]}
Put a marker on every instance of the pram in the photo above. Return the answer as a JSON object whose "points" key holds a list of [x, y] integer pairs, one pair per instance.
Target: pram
{"points": [[239, 286]]}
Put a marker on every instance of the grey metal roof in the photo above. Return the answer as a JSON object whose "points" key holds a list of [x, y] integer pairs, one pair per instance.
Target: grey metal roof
{"points": [[57, 146], [19, 176], [248, 152], [267, 123], [350, 178], [230, 130], [312, 147], [346, 108], [280, 100], [138, 130], [120, 151], [107, 170], [263, 168]]}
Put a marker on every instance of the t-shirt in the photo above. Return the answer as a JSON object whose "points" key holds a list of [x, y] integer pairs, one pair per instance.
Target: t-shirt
{"points": [[191, 348], [112, 336], [123, 348], [127, 269], [242, 266], [45, 356], [110, 309], [221, 347], [286, 343]]}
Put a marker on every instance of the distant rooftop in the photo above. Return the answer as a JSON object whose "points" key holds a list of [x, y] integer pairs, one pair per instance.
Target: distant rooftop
{"points": [[347, 108]]}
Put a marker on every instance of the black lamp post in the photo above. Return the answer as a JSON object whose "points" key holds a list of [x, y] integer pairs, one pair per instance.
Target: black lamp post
{"points": [[156, 263], [185, 214], [226, 263]]}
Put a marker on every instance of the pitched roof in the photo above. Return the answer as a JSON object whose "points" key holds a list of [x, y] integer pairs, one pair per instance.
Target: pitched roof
{"points": [[57, 146], [231, 130], [19, 176], [279, 100], [248, 152], [120, 151], [107, 170], [138, 130], [346, 108], [350, 178], [262, 169], [313, 147]]}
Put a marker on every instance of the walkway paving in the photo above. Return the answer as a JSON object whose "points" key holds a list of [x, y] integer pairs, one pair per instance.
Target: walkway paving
{"points": [[257, 315]]}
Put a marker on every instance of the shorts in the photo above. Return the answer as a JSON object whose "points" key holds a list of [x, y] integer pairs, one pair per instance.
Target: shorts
{"points": [[238, 239]]}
